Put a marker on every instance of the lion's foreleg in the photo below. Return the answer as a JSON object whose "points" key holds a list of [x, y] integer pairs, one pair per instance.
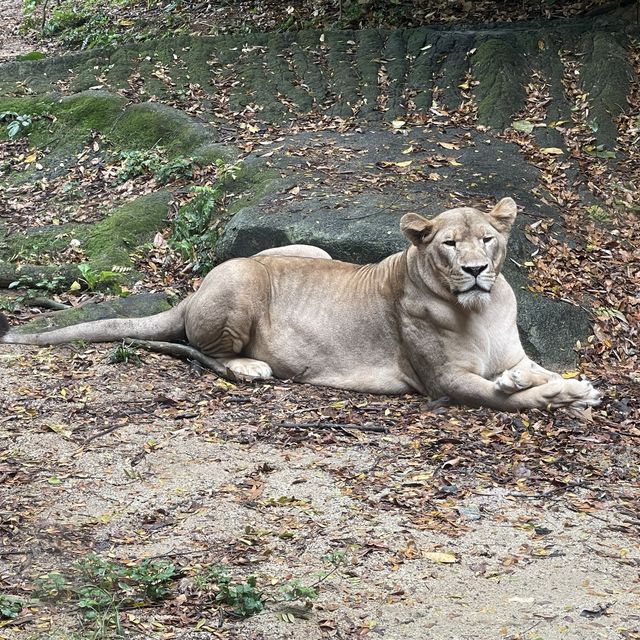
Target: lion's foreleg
{"points": [[474, 390]]}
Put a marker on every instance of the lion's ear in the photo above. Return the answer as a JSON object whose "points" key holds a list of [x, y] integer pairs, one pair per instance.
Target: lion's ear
{"points": [[416, 228], [503, 215]]}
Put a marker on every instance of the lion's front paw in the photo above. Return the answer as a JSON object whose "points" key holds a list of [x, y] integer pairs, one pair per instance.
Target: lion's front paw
{"points": [[574, 394], [511, 381], [248, 367]]}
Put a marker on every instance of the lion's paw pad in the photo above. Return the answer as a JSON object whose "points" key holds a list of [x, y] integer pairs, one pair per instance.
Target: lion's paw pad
{"points": [[249, 368]]}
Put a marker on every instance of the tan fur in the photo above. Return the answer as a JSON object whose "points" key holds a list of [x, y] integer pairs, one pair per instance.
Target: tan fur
{"points": [[437, 318]]}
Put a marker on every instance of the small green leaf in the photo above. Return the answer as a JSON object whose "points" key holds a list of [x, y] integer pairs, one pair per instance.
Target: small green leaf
{"points": [[523, 125]]}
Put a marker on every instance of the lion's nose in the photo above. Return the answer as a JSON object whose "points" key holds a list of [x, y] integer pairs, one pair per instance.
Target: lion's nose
{"points": [[475, 271]]}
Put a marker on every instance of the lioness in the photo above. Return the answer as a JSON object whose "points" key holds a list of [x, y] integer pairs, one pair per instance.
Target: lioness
{"points": [[437, 318]]}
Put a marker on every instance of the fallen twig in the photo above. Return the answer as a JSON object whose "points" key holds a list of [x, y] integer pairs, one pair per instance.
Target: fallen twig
{"points": [[47, 303], [104, 432], [334, 425]]}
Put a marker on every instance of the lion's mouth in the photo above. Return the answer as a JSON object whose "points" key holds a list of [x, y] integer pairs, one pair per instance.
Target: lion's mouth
{"points": [[473, 287]]}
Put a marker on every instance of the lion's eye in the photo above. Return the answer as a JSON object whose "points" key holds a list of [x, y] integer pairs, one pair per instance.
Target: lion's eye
{"points": [[450, 243], [487, 239]]}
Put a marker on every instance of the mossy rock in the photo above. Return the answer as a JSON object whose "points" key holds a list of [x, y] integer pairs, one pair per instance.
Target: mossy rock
{"points": [[501, 68], [110, 242], [39, 242], [136, 306], [89, 110], [152, 124], [139, 126]]}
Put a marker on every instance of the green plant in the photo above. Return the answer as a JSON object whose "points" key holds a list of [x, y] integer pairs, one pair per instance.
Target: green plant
{"points": [[52, 283], [146, 580], [108, 586], [8, 304], [295, 590], [136, 163], [596, 212], [243, 597], [179, 167], [10, 607], [95, 280], [152, 162], [226, 171], [151, 578], [193, 233], [335, 558], [17, 123], [51, 586], [123, 354]]}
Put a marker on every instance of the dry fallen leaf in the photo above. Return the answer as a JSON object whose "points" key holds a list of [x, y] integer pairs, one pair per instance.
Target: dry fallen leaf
{"points": [[552, 151], [441, 557]]}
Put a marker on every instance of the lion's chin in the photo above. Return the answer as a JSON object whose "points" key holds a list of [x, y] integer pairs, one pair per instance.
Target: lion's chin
{"points": [[474, 300]]}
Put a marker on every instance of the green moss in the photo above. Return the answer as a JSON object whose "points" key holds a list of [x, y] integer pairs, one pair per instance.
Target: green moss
{"points": [[151, 124], [111, 241], [90, 110], [131, 307], [26, 104], [208, 153], [33, 55], [499, 66], [39, 242], [139, 126], [251, 185]]}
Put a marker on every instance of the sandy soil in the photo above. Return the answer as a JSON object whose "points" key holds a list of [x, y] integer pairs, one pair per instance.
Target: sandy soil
{"points": [[154, 460]]}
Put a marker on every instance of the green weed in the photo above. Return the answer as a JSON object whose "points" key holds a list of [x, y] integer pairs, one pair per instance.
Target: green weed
{"points": [[244, 598], [51, 586], [598, 213], [100, 279], [194, 231], [123, 354], [108, 586], [17, 123], [10, 607], [33, 285], [153, 163]]}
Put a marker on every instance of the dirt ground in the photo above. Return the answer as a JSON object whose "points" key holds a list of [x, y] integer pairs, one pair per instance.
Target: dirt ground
{"points": [[156, 460]]}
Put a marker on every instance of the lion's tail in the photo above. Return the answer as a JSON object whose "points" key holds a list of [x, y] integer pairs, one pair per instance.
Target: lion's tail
{"points": [[168, 325]]}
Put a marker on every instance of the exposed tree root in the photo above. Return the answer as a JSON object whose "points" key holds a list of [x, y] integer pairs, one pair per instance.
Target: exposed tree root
{"points": [[54, 277]]}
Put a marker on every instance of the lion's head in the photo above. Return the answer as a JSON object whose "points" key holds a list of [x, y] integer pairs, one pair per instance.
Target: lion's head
{"points": [[464, 249]]}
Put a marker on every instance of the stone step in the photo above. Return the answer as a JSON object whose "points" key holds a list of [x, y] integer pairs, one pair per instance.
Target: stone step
{"points": [[374, 74]]}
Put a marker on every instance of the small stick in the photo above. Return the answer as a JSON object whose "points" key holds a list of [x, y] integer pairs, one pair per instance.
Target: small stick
{"points": [[47, 303], [333, 425], [104, 432]]}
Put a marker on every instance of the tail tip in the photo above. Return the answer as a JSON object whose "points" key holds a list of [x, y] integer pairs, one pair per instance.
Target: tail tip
{"points": [[4, 326]]}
